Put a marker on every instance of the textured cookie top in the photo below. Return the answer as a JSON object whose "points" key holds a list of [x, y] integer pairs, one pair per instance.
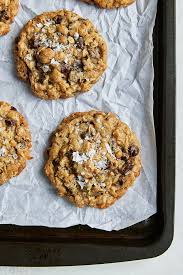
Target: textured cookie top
{"points": [[15, 142], [60, 54], [93, 159], [110, 4], [8, 10]]}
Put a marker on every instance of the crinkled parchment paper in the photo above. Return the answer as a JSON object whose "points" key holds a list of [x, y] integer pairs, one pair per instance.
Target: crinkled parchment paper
{"points": [[125, 89]]}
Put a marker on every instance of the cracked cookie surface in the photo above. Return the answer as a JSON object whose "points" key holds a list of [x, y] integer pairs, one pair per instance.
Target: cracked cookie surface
{"points": [[110, 4], [8, 10], [15, 142], [60, 54], [93, 159]]}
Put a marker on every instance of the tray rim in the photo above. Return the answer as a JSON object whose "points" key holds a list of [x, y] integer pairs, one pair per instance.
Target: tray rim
{"points": [[121, 253]]}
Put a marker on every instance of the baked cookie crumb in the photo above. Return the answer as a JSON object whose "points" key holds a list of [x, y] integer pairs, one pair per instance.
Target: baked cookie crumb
{"points": [[60, 54], [8, 10], [15, 142], [93, 159]]}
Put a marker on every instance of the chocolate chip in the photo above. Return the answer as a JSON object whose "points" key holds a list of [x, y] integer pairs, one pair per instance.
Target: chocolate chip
{"points": [[78, 66], [32, 44], [13, 108], [10, 122], [125, 157], [123, 150], [127, 168], [133, 151], [69, 153], [55, 164], [4, 15], [41, 77], [1, 14], [58, 19], [80, 43], [82, 135], [65, 69], [121, 180]]}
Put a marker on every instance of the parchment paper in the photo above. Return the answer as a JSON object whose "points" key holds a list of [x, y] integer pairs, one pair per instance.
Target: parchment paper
{"points": [[125, 89]]}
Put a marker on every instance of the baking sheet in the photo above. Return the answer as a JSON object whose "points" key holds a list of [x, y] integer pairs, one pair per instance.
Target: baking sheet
{"points": [[126, 89]]}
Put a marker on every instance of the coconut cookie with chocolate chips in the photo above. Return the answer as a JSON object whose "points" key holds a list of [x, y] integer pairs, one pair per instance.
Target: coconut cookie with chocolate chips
{"points": [[110, 4], [15, 142], [94, 158], [60, 54], [8, 10]]}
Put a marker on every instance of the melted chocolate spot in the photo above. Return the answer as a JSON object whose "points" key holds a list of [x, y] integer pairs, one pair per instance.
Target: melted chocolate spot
{"points": [[127, 168], [80, 43], [133, 151], [58, 19], [78, 66], [4, 15], [31, 43], [82, 135], [65, 69], [10, 122], [125, 157], [121, 180], [41, 77], [13, 108], [55, 165]]}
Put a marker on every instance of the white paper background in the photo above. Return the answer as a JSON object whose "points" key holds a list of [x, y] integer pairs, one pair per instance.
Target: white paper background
{"points": [[125, 89]]}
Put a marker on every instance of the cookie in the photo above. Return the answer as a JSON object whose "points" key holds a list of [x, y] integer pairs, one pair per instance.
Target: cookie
{"points": [[60, 54], [93, 159], [110, 4], [15, 142], [8, 10]]}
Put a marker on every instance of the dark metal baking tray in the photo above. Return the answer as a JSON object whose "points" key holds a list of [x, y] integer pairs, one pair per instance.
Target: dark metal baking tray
{"points": [[41, 246]]}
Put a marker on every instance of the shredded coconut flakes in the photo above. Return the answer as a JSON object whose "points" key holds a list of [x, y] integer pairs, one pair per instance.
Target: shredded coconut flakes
{"points": [[102, 184], [109, 150], [76, 35], [39, 25], [48, 23], [45, 68], [101, 164], [28, 57], [2, 152], [54, 62], [91, 153], [80, 158], [81, 181], [15, 156]]}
